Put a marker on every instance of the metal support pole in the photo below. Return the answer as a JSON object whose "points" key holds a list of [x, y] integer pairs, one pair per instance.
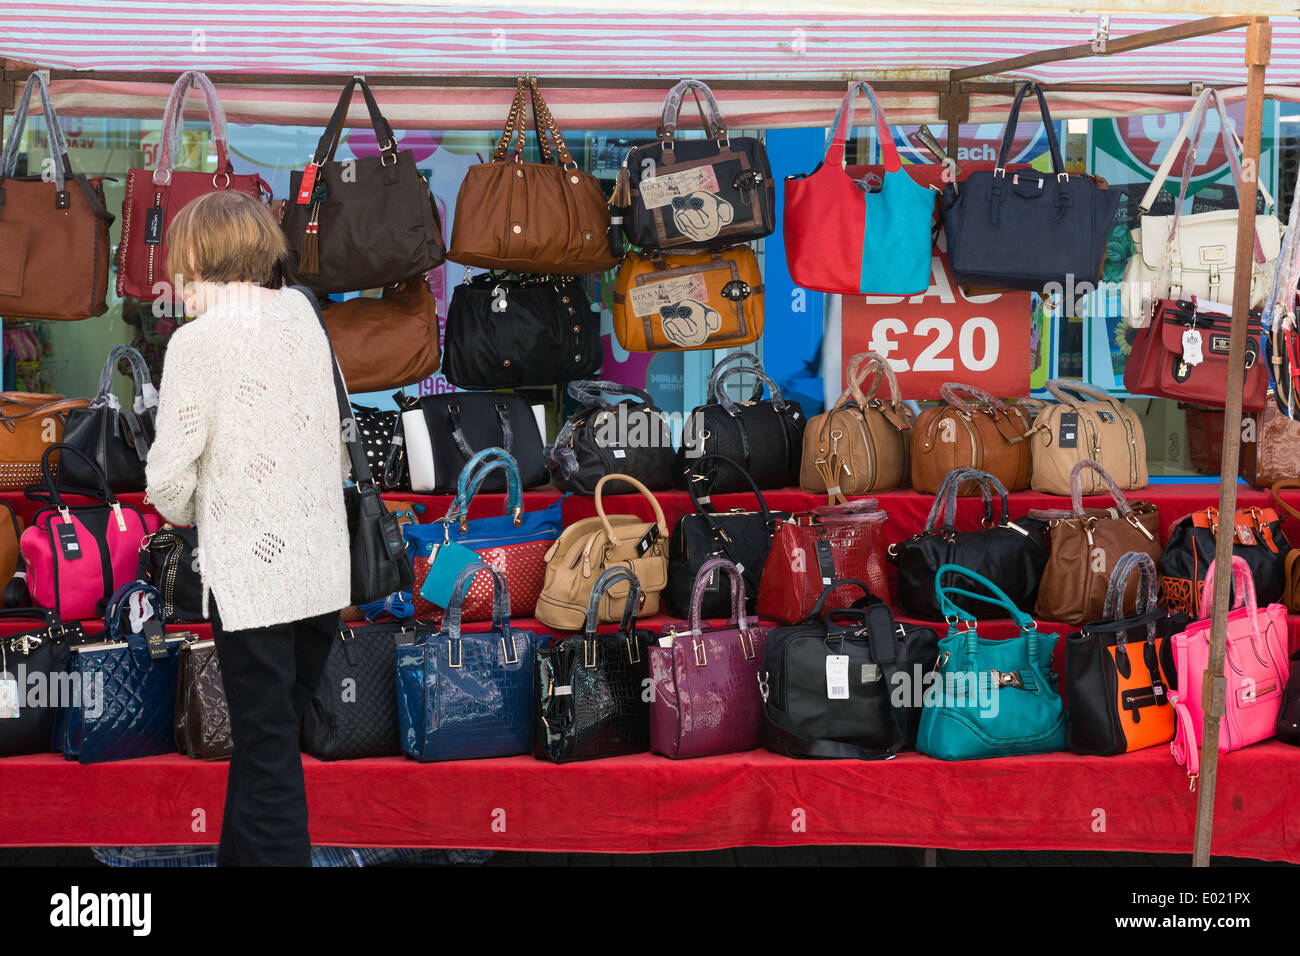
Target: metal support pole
{"points": [[1258, 40]]}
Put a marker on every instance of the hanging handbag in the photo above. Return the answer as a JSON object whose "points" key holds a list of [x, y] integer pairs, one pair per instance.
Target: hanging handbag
{"points": [[13, 573], [513, 543], [531, 217], [1193, 257], [1254, 664], [117, 440], [359, 223], [129, 713], [741, 537], [696, 192], [845, 683], [817, 550], [588, 547], [443, 432], [1027, 229], [201, 724], [389, 342], [30, 422], [78, 555], [989, 698], [379, 434], [1257, 538], [154, 198], [47, 230], [670, 301], [840, 237], [1119, 670], [1104, 430], [32, 664], [1011, 554], [601, 438], [1085, 545], [591, 699], [462, 696], [705, 700], [530, 331], [987, 435], [862, 444], [765, 436], [1274, 455], [169, 560]]}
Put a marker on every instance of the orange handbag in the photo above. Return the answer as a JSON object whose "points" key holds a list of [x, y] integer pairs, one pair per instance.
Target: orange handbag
{"points": [[29, 423]]}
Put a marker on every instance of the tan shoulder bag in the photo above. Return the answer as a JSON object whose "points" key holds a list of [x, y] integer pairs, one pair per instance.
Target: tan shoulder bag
{"points": [[1088, 425]]}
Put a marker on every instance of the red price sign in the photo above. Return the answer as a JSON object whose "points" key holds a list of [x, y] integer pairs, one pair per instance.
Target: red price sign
{"points": [[943, 335]]}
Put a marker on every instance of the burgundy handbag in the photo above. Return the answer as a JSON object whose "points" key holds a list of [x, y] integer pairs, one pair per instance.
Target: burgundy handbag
{"points": [[704, 695]]}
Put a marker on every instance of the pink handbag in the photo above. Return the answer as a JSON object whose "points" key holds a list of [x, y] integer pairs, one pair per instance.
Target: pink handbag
{"points": [[1255, 665]]}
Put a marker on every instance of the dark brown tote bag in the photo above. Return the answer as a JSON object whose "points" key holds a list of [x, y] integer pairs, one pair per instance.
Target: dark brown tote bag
{"points": [[53, 231], [547, 217]]}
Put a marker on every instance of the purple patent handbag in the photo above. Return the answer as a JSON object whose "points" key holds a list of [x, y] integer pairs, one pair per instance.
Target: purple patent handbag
{"points": [[704, 680]]}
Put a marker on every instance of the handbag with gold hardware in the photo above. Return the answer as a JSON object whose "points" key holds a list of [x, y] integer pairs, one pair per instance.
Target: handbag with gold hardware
{"points": [[1257, 537], [1087, 425], [987, 435]]}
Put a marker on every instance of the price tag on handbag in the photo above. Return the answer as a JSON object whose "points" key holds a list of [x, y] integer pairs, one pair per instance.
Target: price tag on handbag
{"points": [[156, 639], [68, 542], [1192, 353], [1068, 432], [8, 698], [837, 676], [307, 184], [446, 562], [647, 541]]}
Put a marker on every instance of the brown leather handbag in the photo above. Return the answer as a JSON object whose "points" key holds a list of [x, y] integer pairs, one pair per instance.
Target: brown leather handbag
{"points": [[588, 547], [11, 529], [1086, 544], [1274, 455], [389, 342], [1291, 568], [863, 444], [54, 246], [201, 722], [545, 217], [670, 301], [30, 422], [1103, 430], [988, 436]]}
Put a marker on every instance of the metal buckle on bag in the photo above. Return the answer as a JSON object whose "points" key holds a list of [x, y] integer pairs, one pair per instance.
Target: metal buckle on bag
{"points": [[459, 654], [511, 654], [588, 653], [735, 290], [1009, 679], [762, 684], [701, 655]]}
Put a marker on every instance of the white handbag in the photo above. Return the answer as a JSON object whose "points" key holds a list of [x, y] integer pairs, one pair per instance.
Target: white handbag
{"points": [[1177, 257]]}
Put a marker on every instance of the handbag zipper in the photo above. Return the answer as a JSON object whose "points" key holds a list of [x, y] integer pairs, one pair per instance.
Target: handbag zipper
{"points": [[157, 204], [126, 234], [870, 443]]}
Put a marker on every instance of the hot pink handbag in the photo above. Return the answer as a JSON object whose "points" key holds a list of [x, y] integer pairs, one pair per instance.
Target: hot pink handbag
{"points": [[1255, 665]]}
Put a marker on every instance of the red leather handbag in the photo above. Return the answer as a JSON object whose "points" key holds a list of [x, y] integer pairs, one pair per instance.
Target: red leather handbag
{"points": [[1182, 354], [153, 198]]}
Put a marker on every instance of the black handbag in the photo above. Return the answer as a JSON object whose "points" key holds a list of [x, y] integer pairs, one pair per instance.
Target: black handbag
{"points": [[603, 438], [742, 537], [1288, 718], [116, 439], [1258, 538], [846, 684], [33, 658], [354, 711], [1011, 554], [505, 332], [590, 686], [169, 560], [696, 192], [764, 435], [379, 432], [1025, 229], [443, 432]]}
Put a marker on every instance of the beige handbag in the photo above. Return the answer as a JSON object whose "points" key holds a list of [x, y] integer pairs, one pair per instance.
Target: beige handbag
{"points": [[589, 546], [863, 444], [1104, 430]]}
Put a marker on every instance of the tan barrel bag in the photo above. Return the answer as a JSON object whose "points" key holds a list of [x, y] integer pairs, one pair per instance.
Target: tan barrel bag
{"points": [[1087, 425]]}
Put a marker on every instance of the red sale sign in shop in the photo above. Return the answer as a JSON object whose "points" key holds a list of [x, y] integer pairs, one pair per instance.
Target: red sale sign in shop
{"points": [[943, 335]]}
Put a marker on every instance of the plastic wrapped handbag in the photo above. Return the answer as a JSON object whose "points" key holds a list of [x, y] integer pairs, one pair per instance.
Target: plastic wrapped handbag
{"points": [[1257, 538], [31, 657], [464, 695], [603, 437], [989, 698], [116, 439]]}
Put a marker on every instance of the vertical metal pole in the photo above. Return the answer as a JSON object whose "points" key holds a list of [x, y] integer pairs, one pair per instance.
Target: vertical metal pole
{"points": [[1258, 40]]}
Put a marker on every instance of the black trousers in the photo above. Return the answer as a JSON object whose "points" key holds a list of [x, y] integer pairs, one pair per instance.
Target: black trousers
{"points": [[270, 675]]}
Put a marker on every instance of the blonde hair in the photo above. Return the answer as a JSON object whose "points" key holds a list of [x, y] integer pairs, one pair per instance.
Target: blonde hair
{"points": [[224, 236]]}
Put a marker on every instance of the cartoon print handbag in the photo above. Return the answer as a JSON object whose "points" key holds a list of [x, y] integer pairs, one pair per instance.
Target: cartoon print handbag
{"points": [[688, 300]]}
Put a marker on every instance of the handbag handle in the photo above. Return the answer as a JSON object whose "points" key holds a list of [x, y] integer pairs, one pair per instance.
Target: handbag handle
{"points": [[816, 612], [1068, 392], [1283, 485], [719, 393], [945, 500], [703, 503], [119, 603], [952, 392], [471, 478], [603, 583], [517, 126], [694, 619], [742, 357], [591, 393], [41, 405], [144, 394], [835, 151], [1008, 137], [51, 495], [1076, 488], [451, 618], [712, 122], [329, 141], [660, 520], [1147, 598], [866, 363], [174, 122], [1244, 583], [955, 615]]}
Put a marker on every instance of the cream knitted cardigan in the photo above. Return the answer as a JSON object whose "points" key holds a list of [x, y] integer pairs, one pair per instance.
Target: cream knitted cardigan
{"points": [[248, 448]]}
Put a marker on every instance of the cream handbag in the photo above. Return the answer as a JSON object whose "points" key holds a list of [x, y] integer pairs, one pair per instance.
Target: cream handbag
{"points": [[1105, 431], [1177, 257], [589, 546]]}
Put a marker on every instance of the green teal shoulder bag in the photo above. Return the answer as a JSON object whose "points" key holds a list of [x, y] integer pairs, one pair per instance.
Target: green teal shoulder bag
{"points": [[989, 698]]}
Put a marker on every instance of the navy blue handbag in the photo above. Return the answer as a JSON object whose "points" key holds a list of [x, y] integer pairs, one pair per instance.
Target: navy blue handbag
{"points": [[124, 688], [1022, 229], [462, 696]]}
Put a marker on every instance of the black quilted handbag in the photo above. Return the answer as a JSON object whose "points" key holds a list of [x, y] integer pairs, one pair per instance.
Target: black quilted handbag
{"points": [[764, 435], [603, 438], [354, 712], [377, 428], [169, 561], [742, 537], [443, 432], [589, 686], [507, 332]]}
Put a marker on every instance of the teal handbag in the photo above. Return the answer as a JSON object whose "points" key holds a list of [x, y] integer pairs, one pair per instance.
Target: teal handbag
{"points": [[989, 698]]}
